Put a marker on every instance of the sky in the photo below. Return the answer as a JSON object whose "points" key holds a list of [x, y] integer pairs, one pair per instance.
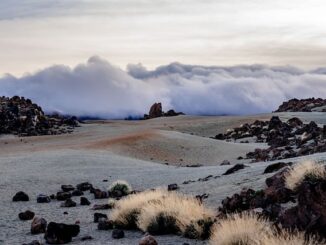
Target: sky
{"points": [[41, 33]]}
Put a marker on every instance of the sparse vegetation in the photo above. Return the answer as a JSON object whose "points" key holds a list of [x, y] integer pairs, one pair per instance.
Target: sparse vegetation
{"points": [[240, 229], [162, 212], [120, 188], [299, 172]]}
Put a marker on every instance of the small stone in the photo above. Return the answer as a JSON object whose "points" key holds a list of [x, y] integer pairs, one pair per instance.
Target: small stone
{"points": [[101, 206], [173, 187], [118, 234], [20, 197], [98, 194], [77, 193], [68, 204], [27, 215], [62, 196], [38, 225], [85, 238], [148, 240], [41, 198], [66, 188], [85, 186], [98, 216], [225, 162], [84, 201], [104, 224]]}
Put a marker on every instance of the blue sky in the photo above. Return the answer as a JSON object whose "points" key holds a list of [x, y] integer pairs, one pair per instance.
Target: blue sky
{"points": [[39, 33]]}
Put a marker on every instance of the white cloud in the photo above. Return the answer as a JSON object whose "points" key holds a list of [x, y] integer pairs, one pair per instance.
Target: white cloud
{"points": [[98, 88]]}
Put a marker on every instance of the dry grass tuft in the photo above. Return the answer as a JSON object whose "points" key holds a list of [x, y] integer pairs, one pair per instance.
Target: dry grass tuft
{"points": [[300, 171], [163, 212], [240, 229], [127, 210], [121, 186], [287, 238]]}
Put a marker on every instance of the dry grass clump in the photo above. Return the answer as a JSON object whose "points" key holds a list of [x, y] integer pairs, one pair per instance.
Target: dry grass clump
{"points": [[163, 212], [240, 229], [127, 210], [120, 186], [302, 170], [176, 213], [287, 238]]}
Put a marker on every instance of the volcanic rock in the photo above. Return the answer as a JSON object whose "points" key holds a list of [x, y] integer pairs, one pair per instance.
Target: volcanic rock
{"points": [[27, 215], [41, 198], [118, 234], [20, 197], [38, 225], [235, 168], [59, 233]]}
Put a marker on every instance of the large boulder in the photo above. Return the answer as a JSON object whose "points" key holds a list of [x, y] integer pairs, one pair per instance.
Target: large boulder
{"points": [[38, 225]]}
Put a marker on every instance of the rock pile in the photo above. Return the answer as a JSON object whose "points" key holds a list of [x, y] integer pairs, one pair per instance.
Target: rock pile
{"points": [[22, 117], [156, 111], [305, 105], [285, 139], [303, 208]]}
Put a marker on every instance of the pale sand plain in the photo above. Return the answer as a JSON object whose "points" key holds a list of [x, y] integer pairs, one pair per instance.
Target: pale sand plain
{"points": [[147, 154]]}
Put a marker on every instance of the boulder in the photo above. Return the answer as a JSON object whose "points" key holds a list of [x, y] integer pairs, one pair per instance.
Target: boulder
{"points": [[148, 240], [98, 216], [67, 188], [62, 196], [59, 233], [41, 198], [68, 203], [20, 197], [85, 186], [173, 187], [118, 234], [84, 201], [105, 224]]}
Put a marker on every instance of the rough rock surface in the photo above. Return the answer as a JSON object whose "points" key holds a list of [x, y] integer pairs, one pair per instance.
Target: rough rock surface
{"points": [[22, 117], [305, 105], [156, 111]]}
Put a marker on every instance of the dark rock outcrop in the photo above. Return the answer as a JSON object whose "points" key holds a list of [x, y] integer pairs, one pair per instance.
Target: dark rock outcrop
{"points": [[156, 111], [20, 197], [304, 105]]}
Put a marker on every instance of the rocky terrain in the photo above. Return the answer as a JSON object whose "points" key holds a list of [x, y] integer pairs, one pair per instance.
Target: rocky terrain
{"points": [[289, 139], [22, 117], [304, 105]]}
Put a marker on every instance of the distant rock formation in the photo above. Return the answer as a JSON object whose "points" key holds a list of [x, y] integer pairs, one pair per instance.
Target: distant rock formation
{"points": [[156, 111], [304, 105], [22, 117]]}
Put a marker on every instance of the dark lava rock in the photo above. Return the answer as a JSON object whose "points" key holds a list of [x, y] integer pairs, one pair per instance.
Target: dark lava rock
{"points": [[85, 186], [22, 117], [148, 240], [156, 111], [225, 162], [59, 233], [173, 187], [98, 194], [86, 238], [276, 166], [118, 234], [98, 216], [304, 105], [66, 188], [84, 201], [77, 193], [41, 198], [27, 215], [235, 168], [105, 224], [102, 206], [20, 197], [38, 225], [62, 196], [68, 203]]}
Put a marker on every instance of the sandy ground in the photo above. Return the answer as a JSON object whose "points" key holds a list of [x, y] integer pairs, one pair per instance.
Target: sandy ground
{"points": [[129, 150]]}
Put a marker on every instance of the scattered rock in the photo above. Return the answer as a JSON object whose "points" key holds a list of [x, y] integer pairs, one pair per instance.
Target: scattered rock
{"points": [[102, 206], [98, 216], [27, 215], [67, 188], [20, 197], [59, 233], [105, 224], [235, 168], [41, 198], [84, 201], [77, 193], [98, 194], [148, 240], [173, 187], [62, 196], [85, 186], [38, 225], [225, 162], [68, 203], [118, 234], [304, 105], [276, 166]]}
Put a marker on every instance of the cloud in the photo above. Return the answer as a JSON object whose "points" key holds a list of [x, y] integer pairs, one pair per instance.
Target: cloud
{"points": [[100, 89]]}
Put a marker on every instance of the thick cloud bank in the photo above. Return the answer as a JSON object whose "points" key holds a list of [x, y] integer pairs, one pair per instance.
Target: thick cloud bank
{"points": [[99, 89]]}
